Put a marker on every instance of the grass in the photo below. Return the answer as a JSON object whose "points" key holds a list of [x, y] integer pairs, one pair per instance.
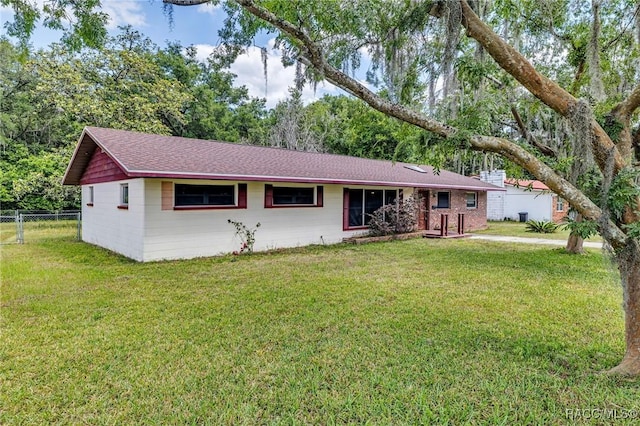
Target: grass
{"points": [[518, 229], [405, 332]]}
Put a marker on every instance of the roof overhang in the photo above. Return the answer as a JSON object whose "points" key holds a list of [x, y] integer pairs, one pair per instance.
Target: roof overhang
{"points": [[87, 145], [294, 179]]}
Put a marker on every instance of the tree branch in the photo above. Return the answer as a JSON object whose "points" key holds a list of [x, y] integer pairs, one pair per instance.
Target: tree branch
{"points": [[622, 113], [627, 107], [543, 88], [546, 150], [186, 2], [314, 55]]}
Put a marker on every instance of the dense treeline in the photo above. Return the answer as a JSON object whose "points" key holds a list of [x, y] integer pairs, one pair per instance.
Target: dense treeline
{"points": [[130, 83]]}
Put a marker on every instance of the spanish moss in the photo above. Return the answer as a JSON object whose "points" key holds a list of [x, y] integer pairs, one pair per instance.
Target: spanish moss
{"points": [[596, 87], [264, 57], [580, 119], [452, 14]]}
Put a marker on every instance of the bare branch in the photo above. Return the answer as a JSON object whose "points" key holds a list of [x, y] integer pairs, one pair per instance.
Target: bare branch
{"points": [[186, 2], [546, 150], [626, 108], [622, 113]]}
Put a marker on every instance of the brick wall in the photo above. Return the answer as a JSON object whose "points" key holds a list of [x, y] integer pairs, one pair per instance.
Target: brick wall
{"points": [[558, 215], [474, 218]]}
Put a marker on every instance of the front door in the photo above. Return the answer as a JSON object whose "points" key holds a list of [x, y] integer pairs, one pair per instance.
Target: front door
{"points": [[423, 211]]}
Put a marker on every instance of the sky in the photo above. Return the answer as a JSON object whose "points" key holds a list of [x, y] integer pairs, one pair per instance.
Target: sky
{"points": [[198, 26]]}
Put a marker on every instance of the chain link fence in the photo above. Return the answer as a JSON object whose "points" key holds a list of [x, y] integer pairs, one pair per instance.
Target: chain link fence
{"points": [[38, 224]]}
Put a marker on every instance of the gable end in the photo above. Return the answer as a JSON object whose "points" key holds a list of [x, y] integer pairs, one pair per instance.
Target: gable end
{"points": [[102, 168]]}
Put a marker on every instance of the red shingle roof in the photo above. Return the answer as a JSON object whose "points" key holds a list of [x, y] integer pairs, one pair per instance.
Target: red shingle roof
{"points": [[522, 183], [147, 155]]}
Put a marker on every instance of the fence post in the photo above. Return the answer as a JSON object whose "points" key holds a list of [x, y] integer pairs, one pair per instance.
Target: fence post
{"points": [[20, 230], [78, 234]]}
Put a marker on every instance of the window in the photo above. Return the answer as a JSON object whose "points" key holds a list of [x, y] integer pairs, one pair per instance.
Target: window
{"points": [[361, 203], [293, 196], [559, 204], [472, 200], [90, 197], [124, 195], [204, 195], [287, 195], [443, 200]]}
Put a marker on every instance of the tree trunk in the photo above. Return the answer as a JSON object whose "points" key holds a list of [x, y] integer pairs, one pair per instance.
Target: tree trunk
{"points": [[575, 241], [574, 244], [629, 265]]}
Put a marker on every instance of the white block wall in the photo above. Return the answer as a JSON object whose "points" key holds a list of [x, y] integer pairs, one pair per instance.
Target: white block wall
{"points": [[537, 204], [105, 225], [145, 232], [495, 199]]}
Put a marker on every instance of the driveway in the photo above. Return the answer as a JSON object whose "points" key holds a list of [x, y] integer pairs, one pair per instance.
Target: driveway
{"points": [[500, 238]]}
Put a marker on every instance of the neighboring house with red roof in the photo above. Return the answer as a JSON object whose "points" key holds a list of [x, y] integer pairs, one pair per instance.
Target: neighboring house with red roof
{"points": [[152, 197], [522, 196]]}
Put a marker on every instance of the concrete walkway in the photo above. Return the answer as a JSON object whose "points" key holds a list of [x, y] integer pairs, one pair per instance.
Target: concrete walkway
{"points": [[501, 238]]}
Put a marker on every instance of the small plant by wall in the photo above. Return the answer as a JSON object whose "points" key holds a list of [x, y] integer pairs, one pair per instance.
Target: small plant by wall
{"points": [[397, 218], [541, 226], [247, 236]]}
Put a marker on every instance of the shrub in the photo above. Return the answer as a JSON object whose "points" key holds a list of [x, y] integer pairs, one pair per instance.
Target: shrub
{"points": [[396, 218], [247, 236], [541, 226], [581, 227]]}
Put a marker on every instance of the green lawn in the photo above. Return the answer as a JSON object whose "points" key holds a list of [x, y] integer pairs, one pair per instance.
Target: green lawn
{"points": [[405, 332], [518, 229]]}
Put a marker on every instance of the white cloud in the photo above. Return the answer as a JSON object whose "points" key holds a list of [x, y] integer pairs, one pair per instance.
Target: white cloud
{"points": [[208, 8], [6, 12], [124, 13], [203, 51], [250, 71]]}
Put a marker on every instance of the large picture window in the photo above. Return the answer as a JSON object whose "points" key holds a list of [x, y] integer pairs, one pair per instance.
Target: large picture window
{"points": [[361, 203], [204, 195]]}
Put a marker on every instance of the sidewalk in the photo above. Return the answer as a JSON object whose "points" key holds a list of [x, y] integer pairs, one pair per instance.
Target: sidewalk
{"points": [[589, 244]]}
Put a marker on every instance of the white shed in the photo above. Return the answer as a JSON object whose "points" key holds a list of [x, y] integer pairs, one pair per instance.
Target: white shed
{"points": [[523, 198]]}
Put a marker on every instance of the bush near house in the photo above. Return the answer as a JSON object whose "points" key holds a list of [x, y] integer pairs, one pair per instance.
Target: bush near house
{"points": [[398, 217]]}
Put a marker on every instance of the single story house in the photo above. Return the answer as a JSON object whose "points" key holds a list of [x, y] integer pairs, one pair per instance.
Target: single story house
{"points": [[152, 197], [523, 198]]}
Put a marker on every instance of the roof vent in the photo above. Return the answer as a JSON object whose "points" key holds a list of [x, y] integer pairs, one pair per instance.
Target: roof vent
{"points": [[415, 169]]}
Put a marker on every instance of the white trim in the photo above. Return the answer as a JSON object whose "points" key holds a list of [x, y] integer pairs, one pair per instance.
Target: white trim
{"points": [[151, 174]]}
